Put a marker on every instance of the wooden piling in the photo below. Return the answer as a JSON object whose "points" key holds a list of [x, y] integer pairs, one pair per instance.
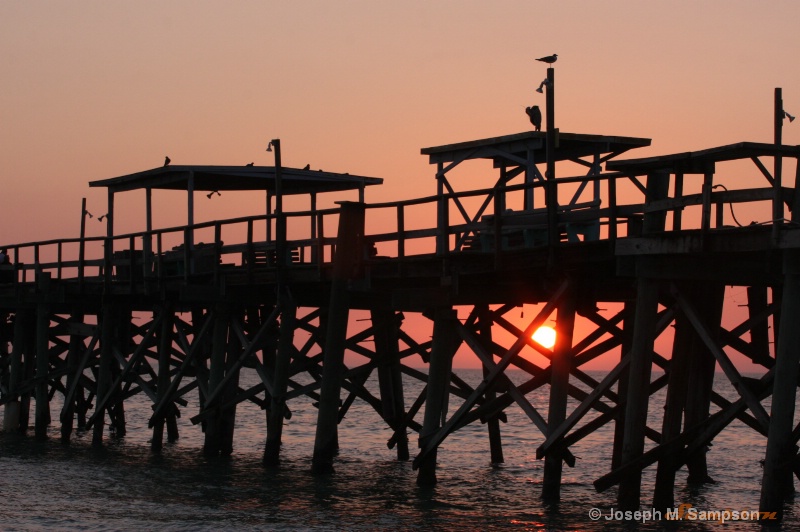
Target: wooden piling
{"points": [[42, 356], [219, 347], [445, 342], [622, 384], [390, 383], [349, 253], [104, 367], [560, 366], [74, 352], [11, 417], [493, 423], [280, 380], [164, 359], [777, 482], [677, 389]]}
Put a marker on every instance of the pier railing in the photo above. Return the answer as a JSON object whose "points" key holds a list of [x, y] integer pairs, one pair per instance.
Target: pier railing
{"points": [[440, 225]]}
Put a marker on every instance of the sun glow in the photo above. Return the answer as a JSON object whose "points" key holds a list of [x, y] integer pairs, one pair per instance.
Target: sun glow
{"points": [[545, 336]]}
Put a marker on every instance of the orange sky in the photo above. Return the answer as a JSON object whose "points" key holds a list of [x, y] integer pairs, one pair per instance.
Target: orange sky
{"points": [[92, 90]]}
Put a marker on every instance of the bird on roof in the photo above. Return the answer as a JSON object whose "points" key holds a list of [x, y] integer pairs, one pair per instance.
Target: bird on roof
{"points": [[535, 114], [307, 167], [550, 59], [167, 160], [249, 164]]}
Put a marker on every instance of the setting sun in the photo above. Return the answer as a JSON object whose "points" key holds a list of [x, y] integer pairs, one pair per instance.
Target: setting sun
{"points": [[545, 336]]}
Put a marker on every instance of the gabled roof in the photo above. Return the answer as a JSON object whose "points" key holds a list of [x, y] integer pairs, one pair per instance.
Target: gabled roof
{"points": [[208, 178]]}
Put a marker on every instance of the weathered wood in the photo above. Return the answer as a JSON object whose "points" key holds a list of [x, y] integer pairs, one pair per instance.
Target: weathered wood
{"points": [[385, 324], [346, 262], [559, 380], [677, 390], [278, 409], [777, 483], [164, 366], [445, 343], [219, 346], [42, 356], [22, 323], [493, 423], [107, 327], [628, 497], [76, 346]]}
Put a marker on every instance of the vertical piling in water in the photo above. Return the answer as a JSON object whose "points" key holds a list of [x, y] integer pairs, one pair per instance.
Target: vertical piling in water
{"points": [[228, 419], [390, 383], [74, 352], [280, 382], [560, 366], [445, 342], [123, 344], [104, 367], [164, 358], [677, 389], [11, 418], [777, 482], [622, 384], [219, 347], [349, 252], [708, 301], [42, 355], [495, 441]]}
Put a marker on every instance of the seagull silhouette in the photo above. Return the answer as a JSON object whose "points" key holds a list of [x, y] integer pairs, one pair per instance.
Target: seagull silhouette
{"points": [[550, 59], [535, 114], [249, 164], [307, 167], [167, 160]]}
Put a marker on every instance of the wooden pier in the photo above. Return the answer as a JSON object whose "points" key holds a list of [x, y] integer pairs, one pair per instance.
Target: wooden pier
{"points": [[648, 237]]}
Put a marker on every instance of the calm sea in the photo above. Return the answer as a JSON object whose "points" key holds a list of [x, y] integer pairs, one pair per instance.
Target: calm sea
{"points": [[47, 485]]}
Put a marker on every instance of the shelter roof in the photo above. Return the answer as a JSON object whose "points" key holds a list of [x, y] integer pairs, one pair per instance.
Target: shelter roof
{"points": [[568, 146], [701, 161], [208, 178]]}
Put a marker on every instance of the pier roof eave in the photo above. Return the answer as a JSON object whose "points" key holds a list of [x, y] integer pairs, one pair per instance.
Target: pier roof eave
{"points": [[701, 161], [227, 178], [568, 146]]}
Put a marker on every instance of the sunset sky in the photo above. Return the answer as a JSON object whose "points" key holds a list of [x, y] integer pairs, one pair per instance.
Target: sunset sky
{"points": [[92, 90]]}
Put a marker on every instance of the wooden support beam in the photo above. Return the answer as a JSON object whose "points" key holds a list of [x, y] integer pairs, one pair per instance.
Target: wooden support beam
{"points": [[677, 390], [559, 379], [42, 355], [485, 327], [777, 483], [628, 497], [164, 361], [445, 343], [76, 346], [219, 346], [349, 254], [278, 409], [107, 328], [385, 325]]}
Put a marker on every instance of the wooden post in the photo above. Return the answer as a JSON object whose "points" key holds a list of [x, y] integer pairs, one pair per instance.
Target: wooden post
{"points": [[777, 177], [219, 347], [349, 252], [42, 356], [709, 301], [495, 443], [777, 482], [104, 369], [277, 411], [11, 417], [445, 342], [390, 381], [164, 358], [76, 346], [628, 321], [677, 389], [228, 414], [551, 190], [638, 389], [560, 366]]}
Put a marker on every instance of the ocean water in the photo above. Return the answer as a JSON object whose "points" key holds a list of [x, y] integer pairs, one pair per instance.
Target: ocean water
{"points": [[124, 486]]}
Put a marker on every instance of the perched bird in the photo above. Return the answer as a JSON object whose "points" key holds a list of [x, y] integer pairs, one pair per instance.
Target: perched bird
{"points": [[536, 116], [550, 59], [307, 167], [167, 160], [249, 164]]}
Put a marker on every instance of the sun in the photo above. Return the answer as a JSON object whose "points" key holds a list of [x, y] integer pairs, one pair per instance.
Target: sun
{"points": [[545, 336]]}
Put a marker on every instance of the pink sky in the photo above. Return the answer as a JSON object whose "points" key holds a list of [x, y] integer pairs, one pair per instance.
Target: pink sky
{"points": [[92, 90]]}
